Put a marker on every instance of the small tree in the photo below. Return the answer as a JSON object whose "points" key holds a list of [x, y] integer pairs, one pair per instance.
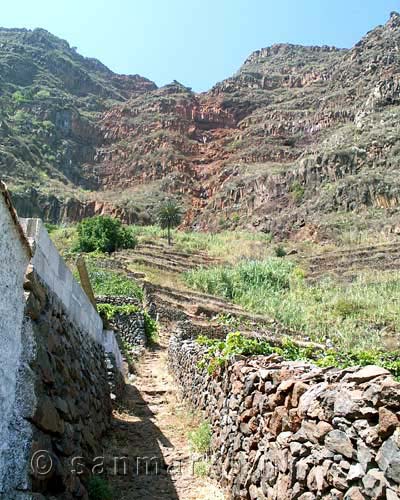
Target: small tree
{"points": [[169, 216], [104, 234]]}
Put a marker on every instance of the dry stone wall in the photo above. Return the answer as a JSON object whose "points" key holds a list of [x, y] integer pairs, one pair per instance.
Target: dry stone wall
{"points": [[129, 328], [290, 430], [72, 408], [54, 373]]}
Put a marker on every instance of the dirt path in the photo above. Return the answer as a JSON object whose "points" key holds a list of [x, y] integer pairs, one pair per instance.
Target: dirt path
{"points": [[154, 424]]}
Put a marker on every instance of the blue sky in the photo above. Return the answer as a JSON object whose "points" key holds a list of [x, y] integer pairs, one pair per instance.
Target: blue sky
{"points": [[197, 42]]}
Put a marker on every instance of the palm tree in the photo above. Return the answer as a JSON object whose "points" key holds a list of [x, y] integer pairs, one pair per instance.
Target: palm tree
{"points": [[169, 216]]}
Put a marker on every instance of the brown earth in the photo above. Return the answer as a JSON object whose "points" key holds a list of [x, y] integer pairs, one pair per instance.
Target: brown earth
{"points": [[153, 422]]}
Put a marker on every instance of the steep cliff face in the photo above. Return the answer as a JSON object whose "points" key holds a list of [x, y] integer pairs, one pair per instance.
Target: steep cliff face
{"points": [[51, 101], [296, 135]]}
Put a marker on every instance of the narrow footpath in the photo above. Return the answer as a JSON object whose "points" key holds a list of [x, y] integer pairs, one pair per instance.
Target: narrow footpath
{"points": [[151, 429]]}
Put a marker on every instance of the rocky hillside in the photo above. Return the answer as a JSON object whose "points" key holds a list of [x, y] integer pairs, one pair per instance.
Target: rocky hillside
{"points": [[301, 141]]}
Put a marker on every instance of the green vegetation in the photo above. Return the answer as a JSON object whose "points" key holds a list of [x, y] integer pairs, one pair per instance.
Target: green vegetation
{"points": [[280, 251], [352, 316], [245, 279], [297, 191], [103, 234], [200, 438], [107, 282], [99, 489], [109, 311], [169, 216], [240, 243], [201, 468], [150, 327], [220, 351]]}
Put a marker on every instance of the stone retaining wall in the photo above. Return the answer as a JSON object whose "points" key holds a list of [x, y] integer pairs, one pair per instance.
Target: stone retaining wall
{"points": [[129, 328], [117, 300], [54, 380], [54, 272], [290, 430], [72, 408]]}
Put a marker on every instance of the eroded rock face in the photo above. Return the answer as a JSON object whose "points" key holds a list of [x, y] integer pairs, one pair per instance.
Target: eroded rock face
{"points": [[280, 429], [298, 133]]}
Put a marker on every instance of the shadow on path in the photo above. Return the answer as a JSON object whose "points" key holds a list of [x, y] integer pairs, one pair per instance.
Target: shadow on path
{"points": [[144, 474]]}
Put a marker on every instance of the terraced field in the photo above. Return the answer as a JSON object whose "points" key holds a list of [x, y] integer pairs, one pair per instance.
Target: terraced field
{"points": [[205, 312], [345, 264]]}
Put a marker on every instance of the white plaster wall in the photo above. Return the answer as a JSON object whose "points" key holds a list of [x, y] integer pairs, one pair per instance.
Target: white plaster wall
{"points": [[14, 259], [52, 269], [110, 345]]}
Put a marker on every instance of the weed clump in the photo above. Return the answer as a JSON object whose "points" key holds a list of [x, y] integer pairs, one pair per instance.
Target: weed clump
{"points": [[99, 489], [200, 439]]}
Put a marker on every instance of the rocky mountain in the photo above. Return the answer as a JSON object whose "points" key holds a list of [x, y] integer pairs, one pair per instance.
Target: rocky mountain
{"points": [[301, 141]]}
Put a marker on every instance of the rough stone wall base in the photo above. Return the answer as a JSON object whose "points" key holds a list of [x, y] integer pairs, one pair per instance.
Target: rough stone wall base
{"points": [[290, 430]]}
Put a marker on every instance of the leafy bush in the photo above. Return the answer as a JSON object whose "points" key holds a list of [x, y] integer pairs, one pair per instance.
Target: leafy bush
{"points": [[297, 191], [99, 489], [104, 234], [201, 468], [345, 308], [109, 311], [150, 327], [388, 360], [220, 351], [50, 227], [200, 439]]}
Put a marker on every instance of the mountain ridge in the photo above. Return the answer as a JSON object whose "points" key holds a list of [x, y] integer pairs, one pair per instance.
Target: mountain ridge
{"points": [[296, 138]]}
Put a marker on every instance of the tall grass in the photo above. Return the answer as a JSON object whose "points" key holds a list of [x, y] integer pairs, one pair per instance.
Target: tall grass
{"points": [[241, 244], [356, 315], [243, 280]]}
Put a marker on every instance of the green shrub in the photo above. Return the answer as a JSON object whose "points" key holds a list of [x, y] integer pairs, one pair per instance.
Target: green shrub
{"points": [[104, 234], [42, 94], [218, 352], [235, 344], [297, 191], [18, 97], [150, 327], [345, 308], [50, 227], [280, 251], [109, 311], [201, 468], [200, 439], [99, 489]]}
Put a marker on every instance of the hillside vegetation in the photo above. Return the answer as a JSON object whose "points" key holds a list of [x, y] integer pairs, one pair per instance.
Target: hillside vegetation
{"points": [[359, 313], [302, 142]]}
